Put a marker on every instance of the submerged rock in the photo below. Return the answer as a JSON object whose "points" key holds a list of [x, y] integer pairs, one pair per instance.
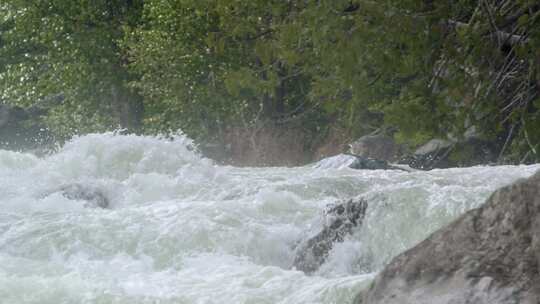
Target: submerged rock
{"points": [[490, 255], [341, 219], [342, 161], [364, 163], [94, 197], [369, 163]]}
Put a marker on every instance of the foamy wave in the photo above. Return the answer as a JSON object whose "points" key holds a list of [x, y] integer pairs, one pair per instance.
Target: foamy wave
{"points": [[180, 229]]}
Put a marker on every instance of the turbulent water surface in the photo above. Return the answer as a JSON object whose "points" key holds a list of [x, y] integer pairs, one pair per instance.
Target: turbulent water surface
{"points": [[182, 230]]}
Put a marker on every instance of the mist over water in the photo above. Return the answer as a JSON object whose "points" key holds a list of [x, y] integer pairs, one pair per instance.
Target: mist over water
{"points": [[183, 230]]}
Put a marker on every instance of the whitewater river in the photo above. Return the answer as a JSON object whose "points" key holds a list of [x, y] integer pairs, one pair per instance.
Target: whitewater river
{"points": [[182, 230]]}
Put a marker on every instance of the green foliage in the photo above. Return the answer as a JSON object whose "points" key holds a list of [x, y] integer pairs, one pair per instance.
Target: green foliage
{"points": [[427, 68], [69, 49]]}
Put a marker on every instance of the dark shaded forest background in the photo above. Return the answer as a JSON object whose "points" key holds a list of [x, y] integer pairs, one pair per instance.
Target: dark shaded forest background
{"points": [[276, 81]]}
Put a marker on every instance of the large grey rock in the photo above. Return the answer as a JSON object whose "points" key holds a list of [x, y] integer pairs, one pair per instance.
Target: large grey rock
{"points": [[440, 153], [431, 155], [380, 147], [341, 219], [433, 146], [490, 255]]}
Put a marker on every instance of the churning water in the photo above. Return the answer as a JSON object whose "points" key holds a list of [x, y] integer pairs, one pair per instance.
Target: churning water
{"points": [[182, 230]]}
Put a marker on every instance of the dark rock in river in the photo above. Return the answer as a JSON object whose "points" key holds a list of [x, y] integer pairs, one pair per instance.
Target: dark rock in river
{"points": [[378, 146], [368, 163], [490, 255], [340, 222], [94, 197], [364, 163]]}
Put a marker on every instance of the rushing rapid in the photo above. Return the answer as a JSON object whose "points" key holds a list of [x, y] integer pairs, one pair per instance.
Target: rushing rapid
{"points": [[179, 229]]}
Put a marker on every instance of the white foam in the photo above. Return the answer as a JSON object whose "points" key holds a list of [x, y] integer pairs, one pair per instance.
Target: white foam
{"points": [[182, 230]]}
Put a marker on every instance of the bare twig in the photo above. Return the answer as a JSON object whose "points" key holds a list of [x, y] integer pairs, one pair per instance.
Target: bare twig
{"points": [[506, 142], [533, 148], [492, 20], [441, 67], [502, 35]]}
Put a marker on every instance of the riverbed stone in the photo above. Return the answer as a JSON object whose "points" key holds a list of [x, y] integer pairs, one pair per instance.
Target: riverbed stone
{"points": [[93, 197], [490, 255]]}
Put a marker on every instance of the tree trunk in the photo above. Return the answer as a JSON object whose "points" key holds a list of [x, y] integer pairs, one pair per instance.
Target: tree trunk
{"points": [[127, 107], [279, 93]]}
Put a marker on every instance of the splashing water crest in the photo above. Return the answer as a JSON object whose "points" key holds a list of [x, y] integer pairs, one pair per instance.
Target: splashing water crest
{"points": [[182, 230]]}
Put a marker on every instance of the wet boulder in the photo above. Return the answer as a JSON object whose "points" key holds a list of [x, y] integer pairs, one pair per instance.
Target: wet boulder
{"points": [[431, 155], [490, 255], [340, 221], [94, 197], [378, 146]]}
